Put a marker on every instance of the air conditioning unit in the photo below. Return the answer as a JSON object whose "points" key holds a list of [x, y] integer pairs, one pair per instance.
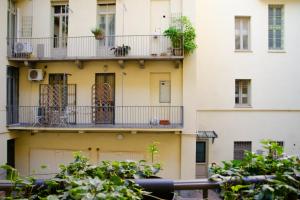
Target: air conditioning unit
{"points": [[35, 75], [23, 47]]}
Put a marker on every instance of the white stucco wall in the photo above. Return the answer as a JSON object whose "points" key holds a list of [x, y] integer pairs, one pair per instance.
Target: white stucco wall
{"points": [[275, 88]]}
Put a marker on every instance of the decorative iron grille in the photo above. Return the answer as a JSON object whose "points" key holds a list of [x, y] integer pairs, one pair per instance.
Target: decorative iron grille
{"points": [[58, 103]]}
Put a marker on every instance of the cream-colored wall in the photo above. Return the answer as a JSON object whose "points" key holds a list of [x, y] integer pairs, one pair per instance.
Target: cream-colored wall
{"points": [[250, 126], [136, 82], [129, 19], [169, 145], [274, 77]]}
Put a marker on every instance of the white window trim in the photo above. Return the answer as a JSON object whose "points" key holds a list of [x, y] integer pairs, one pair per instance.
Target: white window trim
{"points": [[241, 38], [241, 105]]}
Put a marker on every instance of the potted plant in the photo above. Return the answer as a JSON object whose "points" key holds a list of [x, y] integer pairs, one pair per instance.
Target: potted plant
{"points": [[121, 50], [98, 33], [176, 38], [182, 38]]}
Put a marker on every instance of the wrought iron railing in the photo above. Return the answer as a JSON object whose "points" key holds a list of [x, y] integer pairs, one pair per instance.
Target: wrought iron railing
{"points": [[96, 116], [88, 47]]}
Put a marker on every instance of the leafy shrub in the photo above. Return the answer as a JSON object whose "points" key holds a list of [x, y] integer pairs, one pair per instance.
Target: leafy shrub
{"points": [[81, 180], [284, 186], [185, 35]]}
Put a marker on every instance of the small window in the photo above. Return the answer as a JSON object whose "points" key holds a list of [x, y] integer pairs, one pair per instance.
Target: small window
{"points": [[200, 152], [280, 143], [242, 92], [275, 27], [240, 148], [164, 91], [242, 33]]}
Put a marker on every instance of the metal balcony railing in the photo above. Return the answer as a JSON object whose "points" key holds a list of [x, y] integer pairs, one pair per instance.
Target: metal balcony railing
{"points": [[89, 47], [159, 117]]}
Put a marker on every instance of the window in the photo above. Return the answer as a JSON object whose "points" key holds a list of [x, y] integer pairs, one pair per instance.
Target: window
{"points": [[242, 33], [200, 152], [242, 92], [275, 27], [240, 148]]}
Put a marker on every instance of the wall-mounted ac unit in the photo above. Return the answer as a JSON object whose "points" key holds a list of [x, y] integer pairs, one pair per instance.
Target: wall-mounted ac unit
{"points": [[23, 47], [35, 75]]}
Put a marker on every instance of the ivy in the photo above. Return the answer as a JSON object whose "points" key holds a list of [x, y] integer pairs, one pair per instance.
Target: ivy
{"points": [[81, 180], [286, 169]]}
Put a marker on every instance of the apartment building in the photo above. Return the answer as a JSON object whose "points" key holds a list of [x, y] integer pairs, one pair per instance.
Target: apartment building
{"points": [[112, 96]]}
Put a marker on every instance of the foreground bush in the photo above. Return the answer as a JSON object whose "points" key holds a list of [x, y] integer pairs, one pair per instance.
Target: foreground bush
{"points": [[81, 180], [286, 171]]}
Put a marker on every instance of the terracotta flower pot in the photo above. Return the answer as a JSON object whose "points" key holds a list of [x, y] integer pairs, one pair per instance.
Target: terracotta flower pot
{"points": [[99, 37]]}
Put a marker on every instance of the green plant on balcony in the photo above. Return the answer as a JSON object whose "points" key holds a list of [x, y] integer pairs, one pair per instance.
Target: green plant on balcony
{"points": [[98, 33], [121, 50], [182, 38]]}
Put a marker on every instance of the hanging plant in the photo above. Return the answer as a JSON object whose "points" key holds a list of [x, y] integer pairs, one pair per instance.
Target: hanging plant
{"points": [[98, 33]]}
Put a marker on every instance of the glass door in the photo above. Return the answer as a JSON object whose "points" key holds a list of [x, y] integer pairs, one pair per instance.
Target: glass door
{"points": [[106, 21], [60, 30]]}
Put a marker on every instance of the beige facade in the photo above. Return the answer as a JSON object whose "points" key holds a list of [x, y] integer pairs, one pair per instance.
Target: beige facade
{"points": [[191, 93]]}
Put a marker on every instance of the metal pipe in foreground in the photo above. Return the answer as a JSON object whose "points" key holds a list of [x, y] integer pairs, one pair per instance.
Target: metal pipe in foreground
{"points": [[164, 188]]}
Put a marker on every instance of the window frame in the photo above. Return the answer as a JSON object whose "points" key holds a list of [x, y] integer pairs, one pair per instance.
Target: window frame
{"points": [[272, 26], [240, 94], [241, 20]]}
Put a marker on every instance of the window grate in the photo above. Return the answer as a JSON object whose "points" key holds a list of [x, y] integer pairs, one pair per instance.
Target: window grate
{"points": [[240, 148], [26, 26]]}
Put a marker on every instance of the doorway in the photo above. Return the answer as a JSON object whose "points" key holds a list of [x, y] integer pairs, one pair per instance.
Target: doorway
{"points": [[105, 98], [201, 159], [11, 152], [60, 30], [106, 21], [12, 91], [160, 21]]}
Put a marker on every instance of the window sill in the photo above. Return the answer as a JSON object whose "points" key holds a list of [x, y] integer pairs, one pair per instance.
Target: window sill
{"points": [[242, 106], [276, 51], [243, 51]]}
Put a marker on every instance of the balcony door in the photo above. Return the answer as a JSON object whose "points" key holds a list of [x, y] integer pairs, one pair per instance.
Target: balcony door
{"points": [[106, 21], [104, 98], [60, 30], [160, 21], [12, 92]]}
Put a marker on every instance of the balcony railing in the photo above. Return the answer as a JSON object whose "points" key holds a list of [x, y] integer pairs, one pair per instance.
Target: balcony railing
{"points": [[152, 117], [88, 47]]}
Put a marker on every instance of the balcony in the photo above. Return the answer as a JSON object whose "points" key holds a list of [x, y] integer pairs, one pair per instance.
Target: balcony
{"points": [[95, 118], [133, 47]]}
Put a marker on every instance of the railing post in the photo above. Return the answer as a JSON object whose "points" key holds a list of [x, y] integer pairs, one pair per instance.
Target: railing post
{"points": [[205, 193]]}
